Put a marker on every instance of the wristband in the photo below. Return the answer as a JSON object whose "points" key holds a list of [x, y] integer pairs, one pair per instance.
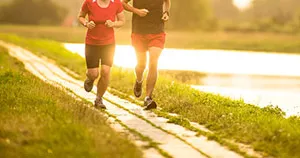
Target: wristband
{"points": [[85, 24]]}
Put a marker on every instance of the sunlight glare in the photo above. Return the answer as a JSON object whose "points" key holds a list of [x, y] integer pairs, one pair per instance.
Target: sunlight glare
{"points": [[240, 64], [242, 4]]}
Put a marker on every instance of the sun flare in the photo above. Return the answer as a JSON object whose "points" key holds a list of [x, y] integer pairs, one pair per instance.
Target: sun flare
{"points": [[242, 4]]}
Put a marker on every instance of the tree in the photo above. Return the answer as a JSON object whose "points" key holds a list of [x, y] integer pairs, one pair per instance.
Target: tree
{"points": [[32, 12], [225, 9], [189, 14], [273, 15], [279, 11]]}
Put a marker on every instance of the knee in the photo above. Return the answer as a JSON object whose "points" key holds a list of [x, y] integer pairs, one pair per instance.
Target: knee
{"points": [[141, 65], [93, 75], [153, 65], [105, 74]]}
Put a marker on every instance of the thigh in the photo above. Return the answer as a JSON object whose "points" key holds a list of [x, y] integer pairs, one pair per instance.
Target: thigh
{"points": [[139, 42], [93, 73], [154, 54], [141, 58], [92, 56], [107, 54]]}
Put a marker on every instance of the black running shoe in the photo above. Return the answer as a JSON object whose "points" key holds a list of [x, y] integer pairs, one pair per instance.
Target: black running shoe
{"points": [[99, 104], [137, 89], [88, 85], [149, 104]]}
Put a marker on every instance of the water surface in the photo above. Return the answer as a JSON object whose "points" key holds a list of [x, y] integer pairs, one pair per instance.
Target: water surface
{"points": [[258, 78]]}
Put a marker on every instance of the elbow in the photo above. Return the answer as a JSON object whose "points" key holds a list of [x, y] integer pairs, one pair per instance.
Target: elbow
{"points": [[120, 23], [123, 22], [79, 17]]}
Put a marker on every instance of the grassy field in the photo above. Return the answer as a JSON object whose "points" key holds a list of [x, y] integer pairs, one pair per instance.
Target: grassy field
{"points": [[38, 120], [266, 129], [269, 42]]}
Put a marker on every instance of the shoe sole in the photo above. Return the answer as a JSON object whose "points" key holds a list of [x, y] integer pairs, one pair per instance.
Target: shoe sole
{"points": [[152, 105], [100, 107], [87, 88], [137, 95]]}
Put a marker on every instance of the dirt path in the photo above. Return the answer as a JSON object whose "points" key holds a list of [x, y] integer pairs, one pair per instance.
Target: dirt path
{"points": [[145, 127]]}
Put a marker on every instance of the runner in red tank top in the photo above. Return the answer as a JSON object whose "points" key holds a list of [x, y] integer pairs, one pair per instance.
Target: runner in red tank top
{"points": [[148, 34], [103, 17]]}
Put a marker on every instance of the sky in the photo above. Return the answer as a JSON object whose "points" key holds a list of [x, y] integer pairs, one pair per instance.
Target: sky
{"points": [[242, 4]]}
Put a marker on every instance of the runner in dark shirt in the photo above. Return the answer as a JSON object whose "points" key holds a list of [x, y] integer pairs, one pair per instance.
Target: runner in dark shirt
{"points": [[152, 22], [148, 34]]}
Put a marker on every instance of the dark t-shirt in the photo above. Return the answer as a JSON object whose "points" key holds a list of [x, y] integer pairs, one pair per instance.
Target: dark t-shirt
{"points": [[152, 22]]}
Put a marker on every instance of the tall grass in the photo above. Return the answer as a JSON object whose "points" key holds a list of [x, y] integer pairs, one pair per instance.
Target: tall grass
{"points": [[266, 129], [38, 120]]}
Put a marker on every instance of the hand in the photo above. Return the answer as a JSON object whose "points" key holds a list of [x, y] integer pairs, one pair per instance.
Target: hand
{"points": [[142, 12], [109, 23], [90, 25], [165, 17]]}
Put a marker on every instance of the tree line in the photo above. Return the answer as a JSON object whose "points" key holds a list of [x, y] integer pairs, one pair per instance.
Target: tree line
{"points": [[262, 15], [32, 12], [274, 15]]}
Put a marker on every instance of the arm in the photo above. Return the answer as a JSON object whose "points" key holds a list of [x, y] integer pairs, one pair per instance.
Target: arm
{"points": [[167, 5], [128, 7], [121, 20], [166, 10], [140, 12], [118, 23], [81, 17]]}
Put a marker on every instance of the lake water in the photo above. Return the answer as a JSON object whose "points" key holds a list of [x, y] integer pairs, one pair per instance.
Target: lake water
{"points": [[256, 77]]}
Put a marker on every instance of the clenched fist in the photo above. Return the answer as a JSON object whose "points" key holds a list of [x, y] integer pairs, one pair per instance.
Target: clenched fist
{"points": [[90, 25], [142, 12]]}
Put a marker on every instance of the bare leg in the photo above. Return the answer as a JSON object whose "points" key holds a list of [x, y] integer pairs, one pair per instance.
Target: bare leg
{"points": [[141, 65], [103, 81], [92, 73], [154, 54]]}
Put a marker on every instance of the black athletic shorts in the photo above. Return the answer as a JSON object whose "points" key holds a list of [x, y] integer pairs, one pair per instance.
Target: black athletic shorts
{"points": [[94, 54]]}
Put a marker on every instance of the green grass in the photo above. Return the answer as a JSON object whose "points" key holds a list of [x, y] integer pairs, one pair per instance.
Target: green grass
{"points": [[38, 120], [180, 120], [266, 129], [269, 42], [51, 49]]}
